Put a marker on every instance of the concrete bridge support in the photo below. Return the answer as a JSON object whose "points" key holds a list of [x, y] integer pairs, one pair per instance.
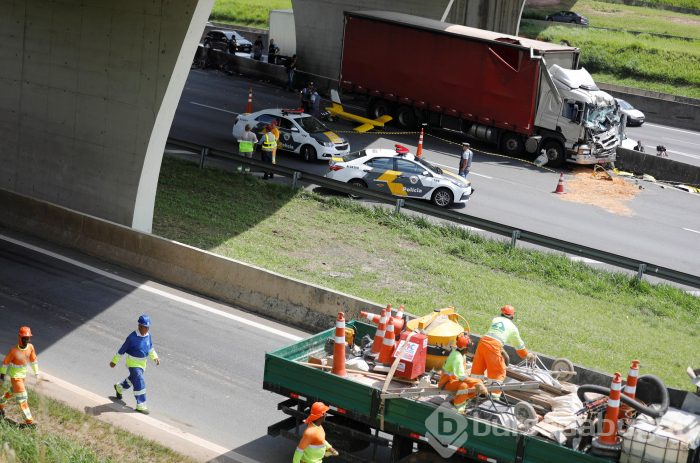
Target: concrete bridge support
{"points": [[88, 91], [319, 24]]}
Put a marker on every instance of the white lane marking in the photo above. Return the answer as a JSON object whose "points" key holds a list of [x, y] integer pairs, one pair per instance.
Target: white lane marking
{"points": [[691, 230], [457, 170], [671, 128], [156, 291], [214, 448], [685, 154], [213, 107], [584, 260]]}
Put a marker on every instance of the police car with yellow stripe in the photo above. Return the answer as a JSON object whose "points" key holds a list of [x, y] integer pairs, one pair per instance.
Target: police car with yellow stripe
{"points": [[300, 133], [400, 173]]}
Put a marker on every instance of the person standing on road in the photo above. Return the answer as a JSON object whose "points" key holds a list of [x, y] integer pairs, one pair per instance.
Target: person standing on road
{"points": [[291, 66], [306, 93], [15, 365], [465, 161], [313, 445], [488, 352], [276, 133], [454, 375], [138, 347], [268, 143], [639, 147], [258, 48], [315, 104], [246, 145], [272, 51]]}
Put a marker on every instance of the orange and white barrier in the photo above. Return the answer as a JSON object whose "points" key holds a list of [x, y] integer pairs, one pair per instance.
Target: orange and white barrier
{"points": [[419, 150], [249, 106], [379, 335], [631, 386], [609, 440], [387, 345], [339, 347]]}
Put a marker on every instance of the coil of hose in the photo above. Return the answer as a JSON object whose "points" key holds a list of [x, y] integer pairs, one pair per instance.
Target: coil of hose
{"points": [[640, 407]]}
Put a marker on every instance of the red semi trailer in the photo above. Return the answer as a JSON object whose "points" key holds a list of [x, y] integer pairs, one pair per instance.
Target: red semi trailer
{"points": [[518, 93]]}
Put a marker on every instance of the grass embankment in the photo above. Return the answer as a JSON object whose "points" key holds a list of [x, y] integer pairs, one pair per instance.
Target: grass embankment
{"points": [[565, 308], [662, 64], [253, 13], [67, 435]]}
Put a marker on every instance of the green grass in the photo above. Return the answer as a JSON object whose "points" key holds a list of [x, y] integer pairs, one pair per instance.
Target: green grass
{"points": [[253, 13], [565, 308], [66, 435]]}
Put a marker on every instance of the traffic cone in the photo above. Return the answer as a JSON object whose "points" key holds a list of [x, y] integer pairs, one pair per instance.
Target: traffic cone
{"points": [[387, 344], [249, 106], [630, 389], [560, 185], [339, 347], [379, 335], [419, 150], [609, 441]]}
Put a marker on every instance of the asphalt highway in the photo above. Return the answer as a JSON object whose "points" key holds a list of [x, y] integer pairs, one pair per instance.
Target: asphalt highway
{"points": [[80, 310], [663, 228]]}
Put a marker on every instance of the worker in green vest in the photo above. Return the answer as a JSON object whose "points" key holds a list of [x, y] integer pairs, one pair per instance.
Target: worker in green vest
{"points": [[246, 146], [268, 144]]}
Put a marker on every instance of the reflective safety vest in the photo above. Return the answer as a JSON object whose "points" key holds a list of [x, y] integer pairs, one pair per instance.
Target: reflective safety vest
{"points": [[504, 330], [312, 446], [15, 363], [137, 349], [245, 146], [269, 142], [454, 367]]}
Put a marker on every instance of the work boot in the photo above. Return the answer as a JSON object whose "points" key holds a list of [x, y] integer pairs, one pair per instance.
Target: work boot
{"points": [[118, 389], [142, 409]]}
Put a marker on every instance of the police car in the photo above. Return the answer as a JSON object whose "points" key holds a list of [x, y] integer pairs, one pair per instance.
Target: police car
{"points": [[400, 173], [299, 133]]}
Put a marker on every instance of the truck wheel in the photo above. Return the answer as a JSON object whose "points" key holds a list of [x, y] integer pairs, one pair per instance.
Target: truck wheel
{"points": [[555, 153], [406, 118], [308, 152], [378, 109], [512, 144], [442, 197]]}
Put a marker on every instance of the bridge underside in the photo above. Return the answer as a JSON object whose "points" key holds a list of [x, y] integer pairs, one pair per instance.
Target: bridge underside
{"points": [[319, 23], [88, 91]]}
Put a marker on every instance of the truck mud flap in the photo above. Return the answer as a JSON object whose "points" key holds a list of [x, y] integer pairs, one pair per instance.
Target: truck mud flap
{"points": [[520, 450]]}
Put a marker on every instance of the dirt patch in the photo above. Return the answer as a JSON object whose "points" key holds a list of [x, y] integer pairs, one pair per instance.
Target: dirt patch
{"points": [[611, 195]]}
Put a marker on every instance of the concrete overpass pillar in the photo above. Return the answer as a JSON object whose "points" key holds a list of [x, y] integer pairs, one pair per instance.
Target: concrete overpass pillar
{"points": [[88, 91], [319, 24]]}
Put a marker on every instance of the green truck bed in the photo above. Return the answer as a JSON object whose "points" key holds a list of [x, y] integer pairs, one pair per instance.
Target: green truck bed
{"points": [[360, 402]]}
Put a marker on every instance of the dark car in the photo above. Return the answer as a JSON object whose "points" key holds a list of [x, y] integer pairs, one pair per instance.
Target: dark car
{"points": [[568, 17], [222, 41]]}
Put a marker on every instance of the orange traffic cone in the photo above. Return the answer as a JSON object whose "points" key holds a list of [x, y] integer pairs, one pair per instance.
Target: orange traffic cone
{"points": [[631, 386], [419, 150], [560, 185], [379, 335], [387, 344], [249, 106], [609, 441], [339, 347]]}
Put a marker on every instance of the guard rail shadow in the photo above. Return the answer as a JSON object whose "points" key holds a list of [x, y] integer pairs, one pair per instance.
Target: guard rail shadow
{"points": [[515, 234]]}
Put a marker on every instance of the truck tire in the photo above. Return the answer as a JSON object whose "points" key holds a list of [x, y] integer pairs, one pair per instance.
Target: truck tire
{"points": [[406, 118], [378, 108], [512, 144], [555, 152]]}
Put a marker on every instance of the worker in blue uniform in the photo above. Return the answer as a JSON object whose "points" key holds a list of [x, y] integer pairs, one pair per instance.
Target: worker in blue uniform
{"points": [[138, 347]]}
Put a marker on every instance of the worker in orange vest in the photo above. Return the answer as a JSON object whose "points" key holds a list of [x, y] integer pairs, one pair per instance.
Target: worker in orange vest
{"points": [[488, 352], [454, 375], [15, 365], [313, 445]]}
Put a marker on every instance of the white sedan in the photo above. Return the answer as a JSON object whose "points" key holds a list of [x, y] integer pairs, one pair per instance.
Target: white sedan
{"points": [[300, 133], [400, 173]]}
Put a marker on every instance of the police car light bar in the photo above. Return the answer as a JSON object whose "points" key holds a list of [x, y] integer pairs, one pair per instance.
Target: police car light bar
{"points": [[401, 150], [292, 111]]}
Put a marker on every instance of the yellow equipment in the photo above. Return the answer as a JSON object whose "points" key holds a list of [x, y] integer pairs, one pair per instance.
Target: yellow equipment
{"points": [[442, 327], [336, 109]]}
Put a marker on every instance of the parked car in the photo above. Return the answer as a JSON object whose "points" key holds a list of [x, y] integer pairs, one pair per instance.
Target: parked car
{"points": [[401, 174], [300, 133], [634, 116], [568, 17], [221, 40]]}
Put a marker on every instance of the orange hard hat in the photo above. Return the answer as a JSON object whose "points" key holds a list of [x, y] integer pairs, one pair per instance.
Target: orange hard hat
{"points": [[25, 332], [508, 310], [318, 409], [463, 341]]}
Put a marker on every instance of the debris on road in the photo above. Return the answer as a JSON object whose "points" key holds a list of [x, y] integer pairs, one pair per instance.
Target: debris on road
{"points": [[601, 192]]}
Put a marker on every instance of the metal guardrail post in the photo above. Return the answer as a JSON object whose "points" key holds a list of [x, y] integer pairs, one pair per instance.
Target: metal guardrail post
{"points": [[640, 271], [514, 238], [399, 204], [296, 176], [202, 154]]}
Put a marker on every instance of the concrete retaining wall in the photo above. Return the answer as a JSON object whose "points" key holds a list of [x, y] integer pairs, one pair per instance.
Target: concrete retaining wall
{"points": [[252, 288], [660, 168]]}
